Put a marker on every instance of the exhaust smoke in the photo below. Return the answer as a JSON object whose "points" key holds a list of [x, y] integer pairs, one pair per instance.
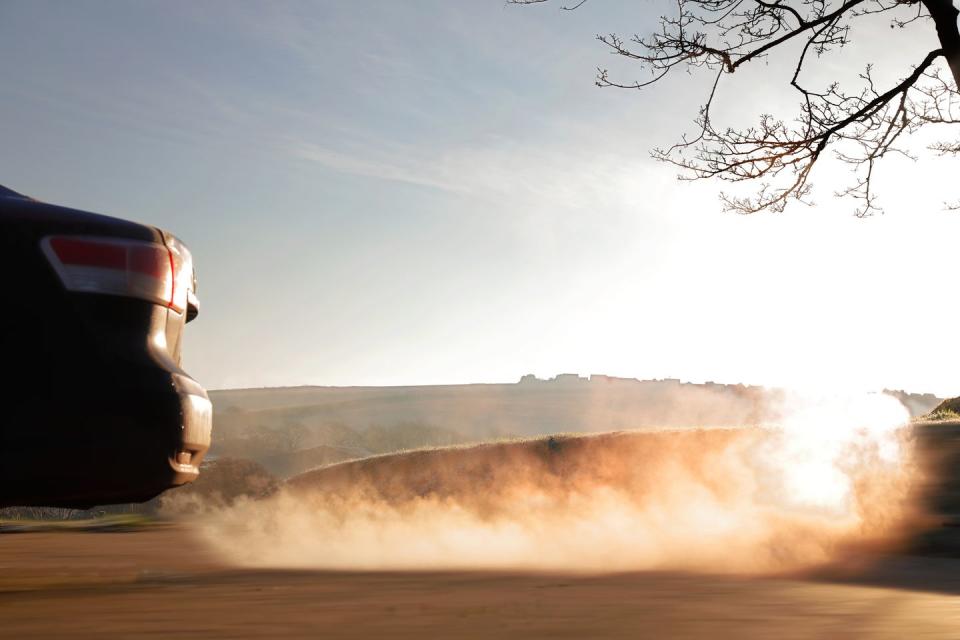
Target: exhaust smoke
{"points": [[832, 474]]}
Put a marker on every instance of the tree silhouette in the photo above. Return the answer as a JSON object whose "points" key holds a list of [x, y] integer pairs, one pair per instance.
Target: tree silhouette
{"points": [[861, 126]]}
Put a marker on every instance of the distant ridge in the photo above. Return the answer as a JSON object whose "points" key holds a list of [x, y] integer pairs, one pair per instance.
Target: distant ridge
{"points": [[264, 398]]}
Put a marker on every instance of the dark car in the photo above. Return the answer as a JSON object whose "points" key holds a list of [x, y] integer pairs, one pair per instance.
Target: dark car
{"points": [[96, 409]]}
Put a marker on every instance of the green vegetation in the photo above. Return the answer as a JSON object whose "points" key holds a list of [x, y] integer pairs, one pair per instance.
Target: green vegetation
{"points": [[27, 520], [946, 411]]}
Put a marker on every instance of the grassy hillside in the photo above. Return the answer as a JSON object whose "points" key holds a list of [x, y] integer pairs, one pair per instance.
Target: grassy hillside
{"points": [[948, 410], [553, 464], [271, 426], [490, 410]]}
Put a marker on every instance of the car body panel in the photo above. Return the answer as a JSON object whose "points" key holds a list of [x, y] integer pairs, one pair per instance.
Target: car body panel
{"points": [[96, 409]]}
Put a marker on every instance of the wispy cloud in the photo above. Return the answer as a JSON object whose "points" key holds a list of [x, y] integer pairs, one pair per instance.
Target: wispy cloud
{"points": [[412, 172], [528, 174]]}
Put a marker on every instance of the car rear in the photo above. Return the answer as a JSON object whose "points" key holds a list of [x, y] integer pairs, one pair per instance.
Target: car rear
{"points": [[97, 408]]}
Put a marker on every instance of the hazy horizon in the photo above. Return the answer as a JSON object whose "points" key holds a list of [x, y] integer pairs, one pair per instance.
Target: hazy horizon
{"points": [[586, 378]]}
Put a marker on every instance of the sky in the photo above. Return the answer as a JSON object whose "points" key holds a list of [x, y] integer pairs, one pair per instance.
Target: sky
{"points": [[429, 192]]}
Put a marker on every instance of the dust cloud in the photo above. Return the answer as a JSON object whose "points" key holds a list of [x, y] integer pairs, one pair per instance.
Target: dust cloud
{"points": [[831, 475]]}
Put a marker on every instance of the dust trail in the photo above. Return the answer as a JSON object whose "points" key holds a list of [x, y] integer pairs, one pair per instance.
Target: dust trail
{"points": [[835, 473]]}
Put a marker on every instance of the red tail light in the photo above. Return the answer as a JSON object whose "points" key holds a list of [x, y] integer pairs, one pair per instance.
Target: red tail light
{"points": [[181, 262], [130, 268]]}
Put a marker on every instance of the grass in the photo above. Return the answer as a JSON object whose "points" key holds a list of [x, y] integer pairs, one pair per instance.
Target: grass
{"points": [[937, 415], [946, 411], [107, 523]]}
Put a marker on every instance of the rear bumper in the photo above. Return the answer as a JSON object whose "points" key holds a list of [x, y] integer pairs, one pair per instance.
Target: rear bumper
{"points": [[107, 446], [196, 423]]}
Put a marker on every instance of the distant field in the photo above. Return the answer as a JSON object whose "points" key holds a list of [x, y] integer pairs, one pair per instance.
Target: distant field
{"points": [[485, 410], [290, 430]]}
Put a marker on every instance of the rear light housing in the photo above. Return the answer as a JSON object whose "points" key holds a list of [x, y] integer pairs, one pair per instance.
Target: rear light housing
{"points": [[150, 271]]}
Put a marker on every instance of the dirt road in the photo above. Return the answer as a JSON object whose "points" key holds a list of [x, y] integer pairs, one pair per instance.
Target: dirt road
{"points": [[161, 581]]}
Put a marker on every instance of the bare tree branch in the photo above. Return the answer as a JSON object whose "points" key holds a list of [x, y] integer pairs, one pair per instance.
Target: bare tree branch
{"points": [[861, 127], [573, 7]]}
